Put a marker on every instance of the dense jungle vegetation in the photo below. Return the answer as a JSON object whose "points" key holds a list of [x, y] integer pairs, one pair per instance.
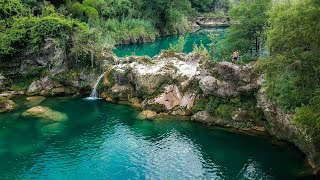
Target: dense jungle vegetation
{"points": [[289, 30], [86, 27]]}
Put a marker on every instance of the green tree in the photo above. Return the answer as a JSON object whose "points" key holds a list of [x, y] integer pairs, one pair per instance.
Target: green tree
{"points": [[247, 33], [293, 70], [169, 16]]}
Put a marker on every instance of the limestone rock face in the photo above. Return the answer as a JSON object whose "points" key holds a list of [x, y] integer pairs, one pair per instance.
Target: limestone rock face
{"points": [[45, 113], [172, 100], [281, 125], [48, 86], [228, 80], [171, 82]]}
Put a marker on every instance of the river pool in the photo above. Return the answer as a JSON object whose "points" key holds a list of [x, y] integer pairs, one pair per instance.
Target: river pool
{"points": [[163, 43], [106, 141]]}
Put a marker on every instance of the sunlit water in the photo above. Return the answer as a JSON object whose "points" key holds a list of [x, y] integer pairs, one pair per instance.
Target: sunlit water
{"points": [[106, 141], [163, 43]]}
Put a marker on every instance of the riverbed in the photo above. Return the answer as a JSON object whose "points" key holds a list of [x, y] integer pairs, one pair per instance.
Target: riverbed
{"points": [[100, 140]]}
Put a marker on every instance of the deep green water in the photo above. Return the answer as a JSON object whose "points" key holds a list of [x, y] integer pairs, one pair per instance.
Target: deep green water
{"points": [[106, 141], [163, 43]]}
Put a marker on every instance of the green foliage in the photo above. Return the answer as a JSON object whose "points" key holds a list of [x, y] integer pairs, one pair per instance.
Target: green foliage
{"points": [[179, 46], [169, 16], [21, 83], [212, 104], [292, 72], [213, 15], [225, 111], [201, 50], [84, 11], [3, 99], [10, 8], [247, 33], [202, 5], [212, 45], [199, 105], [130, 30], [309, 116]]}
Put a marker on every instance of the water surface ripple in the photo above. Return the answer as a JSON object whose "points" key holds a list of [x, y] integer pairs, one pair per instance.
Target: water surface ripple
{"points": [[106, 141]]}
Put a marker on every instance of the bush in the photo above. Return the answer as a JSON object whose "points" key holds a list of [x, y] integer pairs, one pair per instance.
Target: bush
{"points": [[129, 29], [179, 46], [212, 104], [309, 116], [225, 111]]}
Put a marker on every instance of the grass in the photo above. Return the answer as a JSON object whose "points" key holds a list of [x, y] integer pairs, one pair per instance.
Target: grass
{"points": [[130, 30]]}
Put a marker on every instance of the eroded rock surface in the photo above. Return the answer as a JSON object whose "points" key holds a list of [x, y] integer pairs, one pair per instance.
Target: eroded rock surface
{"points": [[281, 125], [170, 83]]}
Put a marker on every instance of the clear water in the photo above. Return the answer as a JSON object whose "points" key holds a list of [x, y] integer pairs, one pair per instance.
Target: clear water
{"points": [[163, 43], [106, 141]]}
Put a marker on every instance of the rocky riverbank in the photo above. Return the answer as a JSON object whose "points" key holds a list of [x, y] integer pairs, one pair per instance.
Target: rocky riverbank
{"points": [[180, 84]]}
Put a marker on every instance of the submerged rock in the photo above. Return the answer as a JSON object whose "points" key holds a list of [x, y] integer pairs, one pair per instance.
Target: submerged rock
{"points": [[45, 113], [147, 114], [37, 99]]}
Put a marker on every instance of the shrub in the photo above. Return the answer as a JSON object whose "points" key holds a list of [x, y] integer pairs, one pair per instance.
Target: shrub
{"points": [[212, 104], [129, 29], [179, 46], [225, 111]]}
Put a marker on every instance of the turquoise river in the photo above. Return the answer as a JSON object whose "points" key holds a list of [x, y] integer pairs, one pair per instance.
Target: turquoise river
{"points": [[163, 43], [106, 141]]}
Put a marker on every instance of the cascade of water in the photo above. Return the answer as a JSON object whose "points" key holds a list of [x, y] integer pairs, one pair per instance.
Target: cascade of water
{"points": [[94, 94]]}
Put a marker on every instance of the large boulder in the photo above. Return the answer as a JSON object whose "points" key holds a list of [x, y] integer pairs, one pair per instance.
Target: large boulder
{"points": [[203, 117], [212, 86], [35, 98], [48, 86], [147, 114], [6, 105], [44, 113]]}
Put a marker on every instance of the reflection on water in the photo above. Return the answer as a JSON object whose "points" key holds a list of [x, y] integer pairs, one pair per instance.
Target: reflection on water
{"points": [[163, 43], [102, 140]]}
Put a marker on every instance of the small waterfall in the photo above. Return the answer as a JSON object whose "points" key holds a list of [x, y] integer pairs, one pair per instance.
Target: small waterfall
{"points": [[94, 94]]}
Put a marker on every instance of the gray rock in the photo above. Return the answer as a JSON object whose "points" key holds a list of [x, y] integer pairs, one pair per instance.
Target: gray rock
{"points": [[203, 117]]}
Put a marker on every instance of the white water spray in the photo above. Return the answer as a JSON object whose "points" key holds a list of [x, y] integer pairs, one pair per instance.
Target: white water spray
{"points": [[94, 94]]}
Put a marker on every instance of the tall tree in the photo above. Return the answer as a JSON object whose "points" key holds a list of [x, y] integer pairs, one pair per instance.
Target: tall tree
{"points": [[246, 34]]}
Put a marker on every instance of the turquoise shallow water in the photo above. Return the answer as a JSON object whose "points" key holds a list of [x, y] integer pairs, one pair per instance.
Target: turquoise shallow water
{"points": [[163, 43], [106, 141]]}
